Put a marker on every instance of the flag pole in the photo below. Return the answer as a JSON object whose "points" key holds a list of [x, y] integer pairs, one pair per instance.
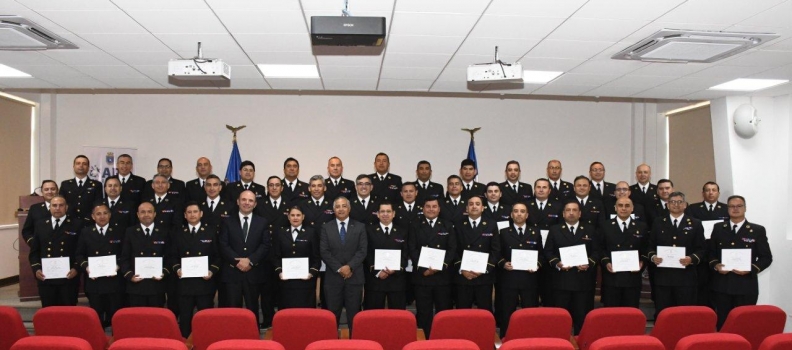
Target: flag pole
{"points": [[232, 172], [472, 147]]}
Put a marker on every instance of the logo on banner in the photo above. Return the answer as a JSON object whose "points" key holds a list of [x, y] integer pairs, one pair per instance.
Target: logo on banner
{"points": [[110, 158], [95, 173]]}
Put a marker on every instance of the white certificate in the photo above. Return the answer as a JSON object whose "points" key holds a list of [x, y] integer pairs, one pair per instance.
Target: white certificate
{"points": [[474, 261], [195, 267], [708, 226], [524, 259], [625, 260], [387, 258], [148, 267], [102, 266], [502, 225], [736, 259], [575, 255], [671, 256], [544, 234], [431, 258], [294, 268], [55, 268]]}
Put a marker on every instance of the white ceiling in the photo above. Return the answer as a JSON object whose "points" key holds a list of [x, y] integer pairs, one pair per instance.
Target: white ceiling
{"points": [[126, 44]]}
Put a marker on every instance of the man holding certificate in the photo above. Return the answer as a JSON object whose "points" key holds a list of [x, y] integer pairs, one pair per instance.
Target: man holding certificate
{"points": [[572, 250], [385, 262], [52, 255], [739, 251], [145, 247], [521, 245], [711, 212], [676, 245], [196, 260], [98, 250], [543, 213], [478, 250], [295, 254], [623, 242]]}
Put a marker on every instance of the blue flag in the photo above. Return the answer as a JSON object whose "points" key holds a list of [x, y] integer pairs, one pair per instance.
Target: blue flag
{"points": [[232, 173], [472, 154]]}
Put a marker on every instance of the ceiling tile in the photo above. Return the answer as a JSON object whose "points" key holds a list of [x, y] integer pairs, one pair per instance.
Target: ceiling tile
{"points": [[26, 83], [84, 22], [564, 90], [584, 79], [515, 27], [238, 83], [354, 6], [784, 72], [410, 73], [126, 42], [274, 42], [179, 22], [568, 49], [711, 94], [550, 64], [442, 6], [777, 16], [777, 45], [535, 8], [415, 60], [348, 72], [263, 21], [423, 44], [350, 84], [157, 5], [506, 47], [232, 57], [433, 24], [51, 72], [132, 83], [588, 29], [296, 84], [614, 91], [645, 82], [693, 83], [82, 82], [68, 5], [607, 65], [145, 58], [111, 72], [453, 74], [189, 42], [270, 5], [340, 60], [763, 58], [728, 11], [463, 61], [404, 85], [456, 86], [28, 58], [727, 72], [80, 58], [662, 93], [626, 9], [670, 69]]}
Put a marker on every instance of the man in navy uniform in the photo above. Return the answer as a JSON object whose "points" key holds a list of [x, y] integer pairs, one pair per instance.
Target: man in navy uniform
{"points": [[168, 207], [122, 213], [592, 211], [195, 188], [643, 192], [543, 213], [145, 240], [335, 183], [622, 233], [386, 185], [426, 188], [385, 285], [408, 209], [623, 191], [294, 190], [494, 209], [81, 192], [132, 186], [476, 234], [215, 209], [707, 210], [470, 188], [247, 175], [317, 209], [512, 189], [600, 189], [40, 211], [453, 207], [364, 207], [177, 189], [560, 190]]}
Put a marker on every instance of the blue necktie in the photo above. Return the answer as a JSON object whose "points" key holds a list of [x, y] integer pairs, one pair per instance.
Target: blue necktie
{"points": [[342, 233]]}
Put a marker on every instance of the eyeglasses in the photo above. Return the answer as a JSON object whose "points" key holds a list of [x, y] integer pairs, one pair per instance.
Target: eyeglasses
{"points": [[738, 206], [676, 202]]}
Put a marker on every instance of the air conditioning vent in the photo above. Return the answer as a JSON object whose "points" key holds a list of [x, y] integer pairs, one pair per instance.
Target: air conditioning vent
{"points": [[20, 34], [673, 45]]}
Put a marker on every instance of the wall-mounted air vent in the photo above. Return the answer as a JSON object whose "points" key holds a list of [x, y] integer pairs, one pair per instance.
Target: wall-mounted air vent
{"points": [[20, 34], [672, 45]]}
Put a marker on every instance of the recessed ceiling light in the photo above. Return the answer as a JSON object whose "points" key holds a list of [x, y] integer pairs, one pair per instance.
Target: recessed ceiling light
{"points": [[539, 76], [748, 84], [289, 71], [8, 72]]}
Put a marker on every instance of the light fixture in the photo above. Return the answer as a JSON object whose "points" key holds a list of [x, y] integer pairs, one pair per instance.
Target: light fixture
{"points": [[683, 46], [748, 84], [300, 71], [8, 72], [539, 76], [746, 123]]}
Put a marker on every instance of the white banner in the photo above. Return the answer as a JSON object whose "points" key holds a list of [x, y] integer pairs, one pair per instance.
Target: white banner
{"points": [[103, 160]]}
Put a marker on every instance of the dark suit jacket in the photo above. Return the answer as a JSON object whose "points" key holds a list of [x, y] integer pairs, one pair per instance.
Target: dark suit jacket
{"points": [[177, 190], [132, 190], [509, 197], [49, 243], [609, 192], [123, 214], [432, 190], [367, 215], [345, 188], [222, 210], [138, 245], [92, 244], [388, 189], [700, 211], [477, 189], [316, 216], [565, 191], [277, 218], [750, 236], [169, 212], [396, 240], [232, 191], [305, 246], [451, 213], [36, 213], [593, 213], [233, 245], [484, 239], [647, 199], [405, 218], [549, 216], [300, 191], [187, 245], [503, 213], [612, 239], [689, 234], [81, 200], [336, 254], [441, 236], [560, 237], [510, 240], [194, 192]]}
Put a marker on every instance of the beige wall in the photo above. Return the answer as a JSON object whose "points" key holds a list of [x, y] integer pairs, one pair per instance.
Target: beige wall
{"points": [[691, 156], [15, 160]]}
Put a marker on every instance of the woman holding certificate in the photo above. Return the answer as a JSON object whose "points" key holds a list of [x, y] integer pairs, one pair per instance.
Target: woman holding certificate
{"points": [[623, 241], [295, 255]]}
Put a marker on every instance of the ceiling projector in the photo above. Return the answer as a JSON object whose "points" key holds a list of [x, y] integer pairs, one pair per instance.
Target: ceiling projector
{"points": [[497, 71], [199, 69]]}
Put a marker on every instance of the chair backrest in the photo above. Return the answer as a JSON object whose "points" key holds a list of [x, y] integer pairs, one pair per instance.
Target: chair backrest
{"points": [[393, 329], [12, 326], [475, 325], [777, 342], [442, 344], [213, 325], [755, 322], [289, 327], [537, 344], [628, 342], [145, 322], [344, 344], [148, 344], [246, 344], [675, 323], [610, 322], [713, 341], [71, 321], [46, 342], [539, 322]]}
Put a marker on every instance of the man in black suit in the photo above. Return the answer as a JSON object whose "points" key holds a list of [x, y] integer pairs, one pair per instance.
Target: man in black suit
{"points": [[247, 175], [40, 211], [169, 208], [335, 183], [600, 189], [470, 188], [512, 189], [675, 286], [453, 207], [388, 284], [623, 191], [560, 190], [177, 189], [195, 188], [294, 190], [275, 207], [122, 213], [643, 192], [476, 234], [622, 233], [408, 210], [343, 246], [215, 209], [145, 240], [494, 209], [103, 238], [386, 185], [659, 207], [426, 188], [54, 237], [244, 244], [708, 209], [573, 285], [734, 287], [364, 207], [543, 213], [132, 186], [81, 192], [592, 211], [317, 209]]}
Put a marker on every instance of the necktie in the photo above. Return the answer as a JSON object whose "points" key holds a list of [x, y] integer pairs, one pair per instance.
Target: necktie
{"points": [[572, 229], [123, 181], [275, 204], [317, 203], [424, 186], [665, 206], [335, 183], [475, 224], [294, 235], [159, 200], [643, 189], [541, 206], [101, 231], [80, 183], [409, 208], [211, 206], [624, 226], [514, 187], [290, 186], [455, 202], [382, 178], [431, 223], [364, 203], [112, 204], [520, 230], [582, 203], [194, 231], [245, 228], [598, 188], [555, 186], [467, 187], [57, 224], [675, 223], [202, 183], [712, 207], [386, 231], [246, 187], [148, 232], [342, 232], [734, 229]]}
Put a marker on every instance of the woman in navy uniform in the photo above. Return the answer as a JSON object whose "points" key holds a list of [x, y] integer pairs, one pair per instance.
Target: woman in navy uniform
{"points": [[297, 241]]}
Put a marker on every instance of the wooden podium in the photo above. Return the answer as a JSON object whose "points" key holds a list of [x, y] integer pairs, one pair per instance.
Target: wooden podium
{"points": [[27, 282]]}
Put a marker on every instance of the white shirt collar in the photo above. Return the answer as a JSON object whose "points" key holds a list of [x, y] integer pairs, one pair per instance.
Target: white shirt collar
{"points": [[361, 199], [321, 199], [216, 200], [242, 218], [338, 223], [457, 199], [465, 184], [245, 183], [518, 227], [116, 199], [422, 183], [621, 222], [496, 205], [197, 227], [158, 198], [273, 200], [408, 204], [575, 225], [389, 226], [471, 220], [679, 218], [512, 184], [383, 175], [584, 199], [292, 228], [84, 180], [62, 220], [150, 227], [47, 204], [124, 178], [541, 202], [739, 224], [103, 228]]}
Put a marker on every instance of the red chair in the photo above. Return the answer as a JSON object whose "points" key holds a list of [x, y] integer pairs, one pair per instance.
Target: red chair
{"points": [[344, 344], [148, 343], [213, 325], [475, 325], [296, 328], [539, 322], [610, 322], [755, 322], [400, 325], [777, 342], [44, 342], [628, 342], [675, 323], [145, 322], [12, 326], [713, 341], [442, 344], [246, 344], [537, 344], [71, 321]]}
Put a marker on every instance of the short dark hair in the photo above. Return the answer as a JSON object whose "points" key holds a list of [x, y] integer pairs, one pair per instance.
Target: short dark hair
{"points": [[81, 156], [492, 183], [512, 162], [124, 156], [213, 176], [432, 199], [295, 207], [736, 197], [704, 188], [467, 161], [165, 159], [97, 205], [409, 184], [246, 163], [677, 194], [48, 180], [112, 178], [423, 162], [451, 177], [273, 177], [362, 176], [581, 177], [541, 179], [572, 201], [595, 163], [385, 202], [191, 203], [662, 181], [289, 160], [382, 154]]}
